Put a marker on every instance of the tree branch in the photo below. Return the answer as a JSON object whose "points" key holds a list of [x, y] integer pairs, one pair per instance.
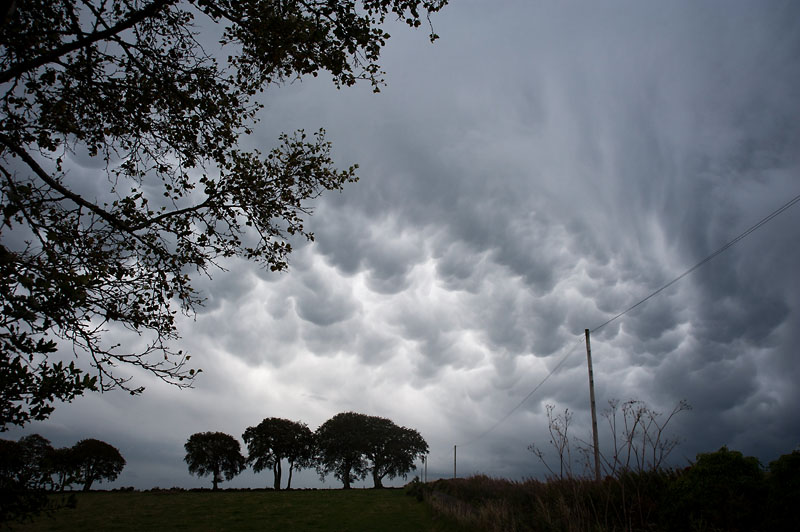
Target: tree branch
{"points": [[44, 176], [136, 17], [105, 215], [170, 214]]}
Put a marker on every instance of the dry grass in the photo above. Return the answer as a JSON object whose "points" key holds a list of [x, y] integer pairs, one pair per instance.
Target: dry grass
{"points": [[629, 502]]}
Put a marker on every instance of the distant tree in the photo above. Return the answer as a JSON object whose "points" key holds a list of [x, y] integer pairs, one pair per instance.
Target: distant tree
{"points": [[26, 463], [96, 460], [129, 85], [302, 455], [35, 453], [350, 445], [64, 467], [11, 464], [276, 439], [216, 454], [391, 449], [341, 447], [21, 468]]}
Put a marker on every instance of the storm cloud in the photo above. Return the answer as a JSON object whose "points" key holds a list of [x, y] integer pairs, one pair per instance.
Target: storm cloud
{"points": [[538, 170]]}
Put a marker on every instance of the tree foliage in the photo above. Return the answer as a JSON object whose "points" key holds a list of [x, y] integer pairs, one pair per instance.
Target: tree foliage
{"points": [[35, 452], [26, 469], [64, 468], [783, 491], [121, 172], [277, 439], [340, 448], [33, 464], [216, 454], [391, 449], [722, 490], [96, 461], [11, 463], [350, 445]]}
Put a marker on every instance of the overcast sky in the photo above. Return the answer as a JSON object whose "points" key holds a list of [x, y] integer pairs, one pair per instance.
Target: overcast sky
{"points": [[539, 169]]}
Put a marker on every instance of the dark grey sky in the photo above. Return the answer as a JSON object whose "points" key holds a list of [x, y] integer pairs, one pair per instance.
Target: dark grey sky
{"points": [[539, 169]]}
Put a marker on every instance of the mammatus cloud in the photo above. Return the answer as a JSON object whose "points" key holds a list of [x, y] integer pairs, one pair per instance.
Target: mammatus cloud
{"points": [[537, 171]]}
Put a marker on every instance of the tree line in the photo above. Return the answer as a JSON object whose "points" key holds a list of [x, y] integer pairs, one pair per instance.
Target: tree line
{"points": [[349, 445], [33, 464]]}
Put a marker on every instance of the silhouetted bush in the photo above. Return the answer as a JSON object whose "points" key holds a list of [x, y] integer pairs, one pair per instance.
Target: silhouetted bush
{"points": [[632, 499], [415, 489], [722, 490], [783, 488]]}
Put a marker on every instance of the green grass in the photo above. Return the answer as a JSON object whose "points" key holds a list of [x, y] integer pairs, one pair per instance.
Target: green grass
{"points": [[313, 510]]}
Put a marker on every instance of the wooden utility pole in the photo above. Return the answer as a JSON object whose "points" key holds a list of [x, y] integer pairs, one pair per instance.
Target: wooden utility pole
{"points": [[454, 460], [594, 409]]}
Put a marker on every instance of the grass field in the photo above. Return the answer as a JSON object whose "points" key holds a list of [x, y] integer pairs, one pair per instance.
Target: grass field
{"points": [[323, 510]]}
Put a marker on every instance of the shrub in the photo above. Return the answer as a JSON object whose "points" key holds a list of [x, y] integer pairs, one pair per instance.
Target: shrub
{"points": [[722, 490], [783, 487]]}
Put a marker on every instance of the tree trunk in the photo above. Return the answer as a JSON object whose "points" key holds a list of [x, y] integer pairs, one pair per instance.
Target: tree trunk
{"points": [[87, 485], [377, 478], [216, 479], [289, 481], [276, 469], [346, 466]]}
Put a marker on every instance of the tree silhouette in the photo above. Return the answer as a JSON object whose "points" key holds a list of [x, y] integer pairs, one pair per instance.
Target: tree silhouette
{"points": [[35, 453], [18, 501], [96, 460], [341, 447], [64, 468], [126, 88], [11, 464], [216, 454], [391, 449], [350, 445], [276, 439]]}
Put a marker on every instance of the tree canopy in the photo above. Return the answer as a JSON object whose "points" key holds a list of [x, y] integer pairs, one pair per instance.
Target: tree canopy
{"points": [[121, 171], [216, 454], [277, 439], [391, 449], [35, 454], [20, 493], [340, 448], [350, 445], [96, 460], [64, 468], [33, 464]]}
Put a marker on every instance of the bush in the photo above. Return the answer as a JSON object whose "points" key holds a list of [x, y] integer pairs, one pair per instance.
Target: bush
{"points": [[722, 490], [783, 487], [416, 489]]}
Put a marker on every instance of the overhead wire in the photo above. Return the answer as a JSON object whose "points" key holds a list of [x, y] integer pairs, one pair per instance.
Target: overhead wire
{"points": [[749, 230], [707, 259], [535, 389]]}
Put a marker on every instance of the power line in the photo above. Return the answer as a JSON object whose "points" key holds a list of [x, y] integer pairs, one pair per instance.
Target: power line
{"points": [[752, 228], [552, 371], [744, 234]]}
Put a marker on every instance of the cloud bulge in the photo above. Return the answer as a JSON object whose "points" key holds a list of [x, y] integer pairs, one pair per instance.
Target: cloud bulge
{"points": [[538, 170]]}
